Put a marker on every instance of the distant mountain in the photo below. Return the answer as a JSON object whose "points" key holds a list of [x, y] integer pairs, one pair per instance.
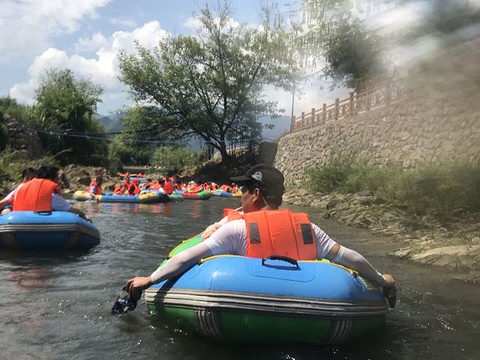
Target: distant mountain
{"points": [[281, 126], [112, 122]]}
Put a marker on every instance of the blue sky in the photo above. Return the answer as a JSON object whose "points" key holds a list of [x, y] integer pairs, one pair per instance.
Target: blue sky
{"points": [[86, 35]]}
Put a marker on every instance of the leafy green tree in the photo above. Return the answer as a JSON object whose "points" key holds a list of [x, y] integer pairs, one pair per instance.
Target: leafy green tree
{"points": [[333, 41], [123, 152], [141, 133], [68, 106], [211, 86], [174, 158]]}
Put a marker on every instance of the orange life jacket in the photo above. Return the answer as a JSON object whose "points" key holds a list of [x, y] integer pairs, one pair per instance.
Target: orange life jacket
{"points": [[232, 214], [149, 185], [278, 232], [35, 195], [225, 187], [156, 186]]}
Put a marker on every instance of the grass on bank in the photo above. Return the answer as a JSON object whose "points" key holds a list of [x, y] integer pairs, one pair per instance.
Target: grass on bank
{"points": [[443, 191]]}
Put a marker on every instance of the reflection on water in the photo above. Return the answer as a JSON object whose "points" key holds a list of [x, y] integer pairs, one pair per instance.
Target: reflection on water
{"points": [[91, 207], [29, 278], [57, 306]]}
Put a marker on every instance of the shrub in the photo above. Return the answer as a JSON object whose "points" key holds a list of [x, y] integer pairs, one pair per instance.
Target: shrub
{"points": [[332, 176], [439, 190]]}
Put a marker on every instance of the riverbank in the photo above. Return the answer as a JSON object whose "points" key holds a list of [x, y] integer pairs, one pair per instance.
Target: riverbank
{"points": [[454, 244]]}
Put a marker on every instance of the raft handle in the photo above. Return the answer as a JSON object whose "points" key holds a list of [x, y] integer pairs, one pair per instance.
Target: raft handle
{"points": [[282, 258], [44, 212]]}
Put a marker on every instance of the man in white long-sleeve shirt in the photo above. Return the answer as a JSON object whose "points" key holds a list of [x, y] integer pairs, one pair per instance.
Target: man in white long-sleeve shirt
{"points": [[262, 188]]}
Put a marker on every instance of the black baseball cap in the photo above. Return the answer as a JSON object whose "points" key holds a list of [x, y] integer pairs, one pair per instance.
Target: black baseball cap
{"points": [[271, 178]]}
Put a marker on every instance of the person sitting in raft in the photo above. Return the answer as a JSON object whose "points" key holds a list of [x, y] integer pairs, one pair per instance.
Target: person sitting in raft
{"points": [[149, 184], [262, 188], [157, 186], [43, 193], [168, 187], [95, 187], [126, 183], [133, 188], [118, 190], [5, 203]]}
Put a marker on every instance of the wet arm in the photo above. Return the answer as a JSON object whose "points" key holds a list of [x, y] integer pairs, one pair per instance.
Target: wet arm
{"points": [[79, 213], [3, 203], [357, 262], [175, 266]]}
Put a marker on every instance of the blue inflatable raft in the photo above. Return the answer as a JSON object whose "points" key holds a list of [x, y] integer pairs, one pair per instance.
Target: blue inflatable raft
{"points": [[146, 198], [240, 299], [57, 230]]}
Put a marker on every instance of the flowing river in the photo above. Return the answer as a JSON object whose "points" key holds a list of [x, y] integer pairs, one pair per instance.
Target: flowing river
{"points": [[57, 306]]}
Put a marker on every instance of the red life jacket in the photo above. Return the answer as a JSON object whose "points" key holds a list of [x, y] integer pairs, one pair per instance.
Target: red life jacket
{"points": [[278, 232], [136, 189], [35, 195], [94, 189], [168, 187], [118, 190]]}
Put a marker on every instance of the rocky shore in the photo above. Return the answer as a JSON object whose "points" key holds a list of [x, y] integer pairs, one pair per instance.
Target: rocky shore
{"points": [[455, 244]]}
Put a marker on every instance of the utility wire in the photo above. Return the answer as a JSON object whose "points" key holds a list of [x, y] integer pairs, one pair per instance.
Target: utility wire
{"points": [[98, 136]]}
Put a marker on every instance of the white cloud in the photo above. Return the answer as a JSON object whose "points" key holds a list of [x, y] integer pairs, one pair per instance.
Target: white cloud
{"points": [[123, 21], [29, 26], [95, 42], [193, 23], [102, 69]]}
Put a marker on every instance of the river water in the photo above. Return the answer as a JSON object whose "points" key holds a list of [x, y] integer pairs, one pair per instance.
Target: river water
{"points": [[57, 306]]}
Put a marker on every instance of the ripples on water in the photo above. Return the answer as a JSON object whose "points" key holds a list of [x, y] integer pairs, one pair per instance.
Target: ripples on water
{"points": [[57, 306]]}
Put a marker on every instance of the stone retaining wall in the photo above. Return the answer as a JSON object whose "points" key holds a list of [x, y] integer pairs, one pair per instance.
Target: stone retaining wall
{"points": [[24, 140], [432, 128]]}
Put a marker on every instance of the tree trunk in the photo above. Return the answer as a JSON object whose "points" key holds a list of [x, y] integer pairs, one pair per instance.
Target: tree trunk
{"points": [[223, 151]]}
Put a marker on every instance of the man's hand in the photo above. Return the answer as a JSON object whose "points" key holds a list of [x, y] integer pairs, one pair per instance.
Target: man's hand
{"points": [[390, 290], [136, 285], [389, 279]]}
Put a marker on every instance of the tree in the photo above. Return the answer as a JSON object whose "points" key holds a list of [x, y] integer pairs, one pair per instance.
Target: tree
{"points": [[211, 86], [66, 105], [333, 40], [175, 158], [141, 133]]}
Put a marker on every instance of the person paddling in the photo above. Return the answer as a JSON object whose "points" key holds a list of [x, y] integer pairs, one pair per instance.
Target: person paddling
{"points": [[246, 235], [43, 193], [5, 203]]}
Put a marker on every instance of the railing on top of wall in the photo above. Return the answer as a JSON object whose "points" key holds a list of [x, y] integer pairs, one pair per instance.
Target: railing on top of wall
{"points": [[372, 98]]}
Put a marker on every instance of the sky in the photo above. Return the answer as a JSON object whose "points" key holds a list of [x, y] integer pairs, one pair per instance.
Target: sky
{"points": [[86, 36]]}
